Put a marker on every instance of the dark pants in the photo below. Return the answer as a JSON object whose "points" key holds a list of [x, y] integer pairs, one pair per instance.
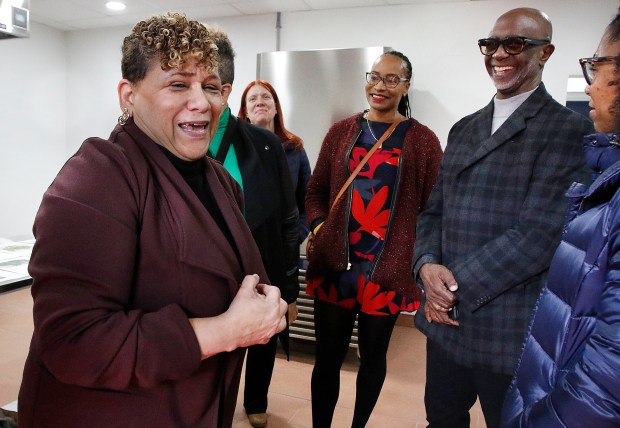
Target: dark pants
{"points": [[258, 369], [452, 389], [333, 326]]}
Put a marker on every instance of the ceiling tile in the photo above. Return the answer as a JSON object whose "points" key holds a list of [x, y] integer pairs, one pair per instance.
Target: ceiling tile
{"points": [[400, 2], [331, 4], [51, 23], [215, 11], [199, 13], [82, 14], [270, 6], [91, 23], [175, 4], [60, 10]]}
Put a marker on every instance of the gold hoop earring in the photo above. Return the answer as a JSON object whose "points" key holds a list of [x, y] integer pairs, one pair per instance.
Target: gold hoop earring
{"points": [[124, 118]]}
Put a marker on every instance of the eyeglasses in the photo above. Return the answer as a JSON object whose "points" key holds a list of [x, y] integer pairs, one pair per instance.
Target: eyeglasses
{"points": [[513, 45], [588, 66], [391, 80]]}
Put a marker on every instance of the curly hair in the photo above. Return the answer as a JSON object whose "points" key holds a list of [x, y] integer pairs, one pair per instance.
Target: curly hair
{"points": [[172, 39], [286, 136]]}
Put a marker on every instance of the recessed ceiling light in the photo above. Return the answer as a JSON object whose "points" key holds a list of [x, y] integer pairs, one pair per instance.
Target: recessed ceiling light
{"points": [[115, 5]]}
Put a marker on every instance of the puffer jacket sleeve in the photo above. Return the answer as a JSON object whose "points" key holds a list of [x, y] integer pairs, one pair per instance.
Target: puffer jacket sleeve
{"points": [[588, 395]]}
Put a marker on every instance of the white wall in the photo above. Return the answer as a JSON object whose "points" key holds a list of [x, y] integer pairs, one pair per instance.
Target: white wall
{"points": [[33, 98], [94, 71], [450, 80]]}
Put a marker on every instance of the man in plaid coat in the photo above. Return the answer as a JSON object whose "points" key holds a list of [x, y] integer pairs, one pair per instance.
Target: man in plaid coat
{"points": [[493, 220]]}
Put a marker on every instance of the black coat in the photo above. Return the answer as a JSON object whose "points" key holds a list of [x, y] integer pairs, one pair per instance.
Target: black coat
{"points": [[299, 167], [269, 202]]}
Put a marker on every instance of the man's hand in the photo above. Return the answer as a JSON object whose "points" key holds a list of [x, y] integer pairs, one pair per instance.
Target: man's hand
{"points": [[439, 288]]}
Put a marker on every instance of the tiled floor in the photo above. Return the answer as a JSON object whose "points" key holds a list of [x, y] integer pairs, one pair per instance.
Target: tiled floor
{"points": [[400, 404]]}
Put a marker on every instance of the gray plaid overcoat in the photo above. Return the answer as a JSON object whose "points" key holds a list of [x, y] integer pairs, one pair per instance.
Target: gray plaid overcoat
{"points": [[494, 218]]}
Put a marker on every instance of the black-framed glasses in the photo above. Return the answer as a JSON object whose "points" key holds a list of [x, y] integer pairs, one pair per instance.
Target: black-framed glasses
{"points": [[588, 66], [389, 80], [513, 45]]}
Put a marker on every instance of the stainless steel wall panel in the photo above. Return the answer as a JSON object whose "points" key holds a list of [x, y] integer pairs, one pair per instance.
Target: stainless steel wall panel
{"points": [[318, 87]]}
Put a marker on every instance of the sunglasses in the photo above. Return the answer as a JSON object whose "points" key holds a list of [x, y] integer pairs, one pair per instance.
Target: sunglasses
{"points": [[513, 45]]}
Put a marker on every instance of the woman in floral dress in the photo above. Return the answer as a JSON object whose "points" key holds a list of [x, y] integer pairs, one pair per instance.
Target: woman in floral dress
{"points": [[361, 249]]}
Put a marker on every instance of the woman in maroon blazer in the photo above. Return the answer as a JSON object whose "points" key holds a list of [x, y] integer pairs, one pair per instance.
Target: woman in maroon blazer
{"points": [[146, 278]]}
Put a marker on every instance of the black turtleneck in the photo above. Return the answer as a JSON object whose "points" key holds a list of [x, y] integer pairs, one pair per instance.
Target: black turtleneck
{"points": [[193, 172]]}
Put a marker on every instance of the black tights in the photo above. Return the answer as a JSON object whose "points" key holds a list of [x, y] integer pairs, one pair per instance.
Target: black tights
{"points": [[334, 326]]}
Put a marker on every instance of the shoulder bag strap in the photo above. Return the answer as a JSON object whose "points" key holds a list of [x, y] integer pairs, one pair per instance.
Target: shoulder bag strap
{"points": [[359, 167]]}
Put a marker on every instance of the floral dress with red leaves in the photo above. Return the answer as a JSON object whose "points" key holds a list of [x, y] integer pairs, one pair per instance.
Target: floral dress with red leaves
{"points": [[372, 193]]}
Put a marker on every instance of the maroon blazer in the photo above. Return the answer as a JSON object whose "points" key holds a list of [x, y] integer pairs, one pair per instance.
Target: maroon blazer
{"points": [[125, 253]]}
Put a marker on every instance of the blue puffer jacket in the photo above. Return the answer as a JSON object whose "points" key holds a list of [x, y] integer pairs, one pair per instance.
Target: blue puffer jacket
{"points": [[569, 372]]}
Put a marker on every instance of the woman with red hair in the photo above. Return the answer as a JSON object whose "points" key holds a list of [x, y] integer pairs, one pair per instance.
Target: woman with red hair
{"points": [[261, 107]]}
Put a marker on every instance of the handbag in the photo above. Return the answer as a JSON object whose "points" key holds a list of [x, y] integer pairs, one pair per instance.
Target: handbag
{"points": [[345, 186]]}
